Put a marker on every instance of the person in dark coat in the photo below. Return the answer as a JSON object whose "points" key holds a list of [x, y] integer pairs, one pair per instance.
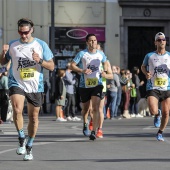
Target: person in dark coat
{"points": [[60, 95]]}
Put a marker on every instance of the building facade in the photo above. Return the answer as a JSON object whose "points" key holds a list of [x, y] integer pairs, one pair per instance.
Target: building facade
{"points": [[139, 22], [128, 26], [68, 14]]}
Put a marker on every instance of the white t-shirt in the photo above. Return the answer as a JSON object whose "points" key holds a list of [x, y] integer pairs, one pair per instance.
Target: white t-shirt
{"points": [[159, 67], [92, 61], [24, 71]]}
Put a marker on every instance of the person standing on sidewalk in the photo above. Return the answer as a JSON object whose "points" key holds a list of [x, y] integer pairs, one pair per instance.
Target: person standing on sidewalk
{"points": [[135, 99], [60, 95], [28, 55], [156, 68], [70, 82], [90, 87], [112, 89], [126, 93]]}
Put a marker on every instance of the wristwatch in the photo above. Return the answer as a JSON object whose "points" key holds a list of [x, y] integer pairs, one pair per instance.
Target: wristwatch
{"points": [[41, 61]]}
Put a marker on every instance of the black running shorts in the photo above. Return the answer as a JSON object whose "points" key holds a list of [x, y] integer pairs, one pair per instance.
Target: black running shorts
{"points": [[35, 99], [160, 95], [86, 93]]}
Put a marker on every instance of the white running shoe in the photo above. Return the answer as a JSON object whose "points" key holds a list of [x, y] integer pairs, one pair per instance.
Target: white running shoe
{"points": [[21, 150], [76, 119], [28, 156], [69, 118], [60, 119], [63, 120], [132, 115], [139, 115]]}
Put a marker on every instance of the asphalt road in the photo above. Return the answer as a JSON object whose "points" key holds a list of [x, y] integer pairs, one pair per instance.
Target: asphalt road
{"points": [[128, 144]]}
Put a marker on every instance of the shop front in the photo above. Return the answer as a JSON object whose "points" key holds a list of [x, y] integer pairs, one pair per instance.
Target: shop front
{"points": [[68, 42]]}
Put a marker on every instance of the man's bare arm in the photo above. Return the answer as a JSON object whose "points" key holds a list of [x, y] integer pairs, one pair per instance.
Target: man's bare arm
{"points": [[145, 72], [74, 67], [107, 73]]}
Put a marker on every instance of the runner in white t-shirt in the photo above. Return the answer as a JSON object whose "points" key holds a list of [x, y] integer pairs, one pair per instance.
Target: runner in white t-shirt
{"points": [[156, 67], [28, 56], [90, 86]]}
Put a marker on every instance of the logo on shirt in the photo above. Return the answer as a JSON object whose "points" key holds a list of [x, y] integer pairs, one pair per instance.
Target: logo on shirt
{"points": [[156, 59], [93, 68], [159, 70], [23, 63]]}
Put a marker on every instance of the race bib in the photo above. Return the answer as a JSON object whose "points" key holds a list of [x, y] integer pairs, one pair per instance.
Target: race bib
{"points": [[27, 73], [161, 82], [91, 82]]}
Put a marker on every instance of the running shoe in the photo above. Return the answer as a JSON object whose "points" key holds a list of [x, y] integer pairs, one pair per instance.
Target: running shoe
{"points": [[99, 133], [28, 156], [92, 136], [159, 137], [86, 130], [69, 118], [91, 125], [60, 119], [157, 121], [138, 116], [21, 149], [76, 118], [132, 115]]}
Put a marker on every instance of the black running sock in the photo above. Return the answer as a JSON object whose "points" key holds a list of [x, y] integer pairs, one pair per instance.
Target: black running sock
{"points": [[160, 131]]}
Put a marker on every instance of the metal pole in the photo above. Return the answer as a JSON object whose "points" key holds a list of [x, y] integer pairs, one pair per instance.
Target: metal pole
{"points": [[52, 39], [52, 26]]}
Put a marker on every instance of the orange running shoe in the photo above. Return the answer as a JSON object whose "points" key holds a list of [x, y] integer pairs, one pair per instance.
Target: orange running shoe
{"points": [[91, 125], [99, 133]]}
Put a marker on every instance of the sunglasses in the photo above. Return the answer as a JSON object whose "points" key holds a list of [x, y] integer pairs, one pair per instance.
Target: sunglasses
{"points": [[24, 32], [159, 40]]}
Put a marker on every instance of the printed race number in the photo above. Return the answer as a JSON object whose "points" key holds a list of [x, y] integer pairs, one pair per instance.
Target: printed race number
{"points": [[161, 82], [91, 82], [27, 73]]}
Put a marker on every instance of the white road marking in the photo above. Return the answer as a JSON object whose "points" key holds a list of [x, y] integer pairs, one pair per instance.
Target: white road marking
{"points": [[12, 132], [1, 152], [44, 143], [153, 128]]}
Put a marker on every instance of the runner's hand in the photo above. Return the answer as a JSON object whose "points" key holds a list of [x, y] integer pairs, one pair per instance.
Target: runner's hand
{"points": [[148, 75], [35, 56], [103, 74], [87, 71]]}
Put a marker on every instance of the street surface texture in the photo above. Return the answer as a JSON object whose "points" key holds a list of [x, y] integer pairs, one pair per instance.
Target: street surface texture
{"points": [[128, 144]]}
